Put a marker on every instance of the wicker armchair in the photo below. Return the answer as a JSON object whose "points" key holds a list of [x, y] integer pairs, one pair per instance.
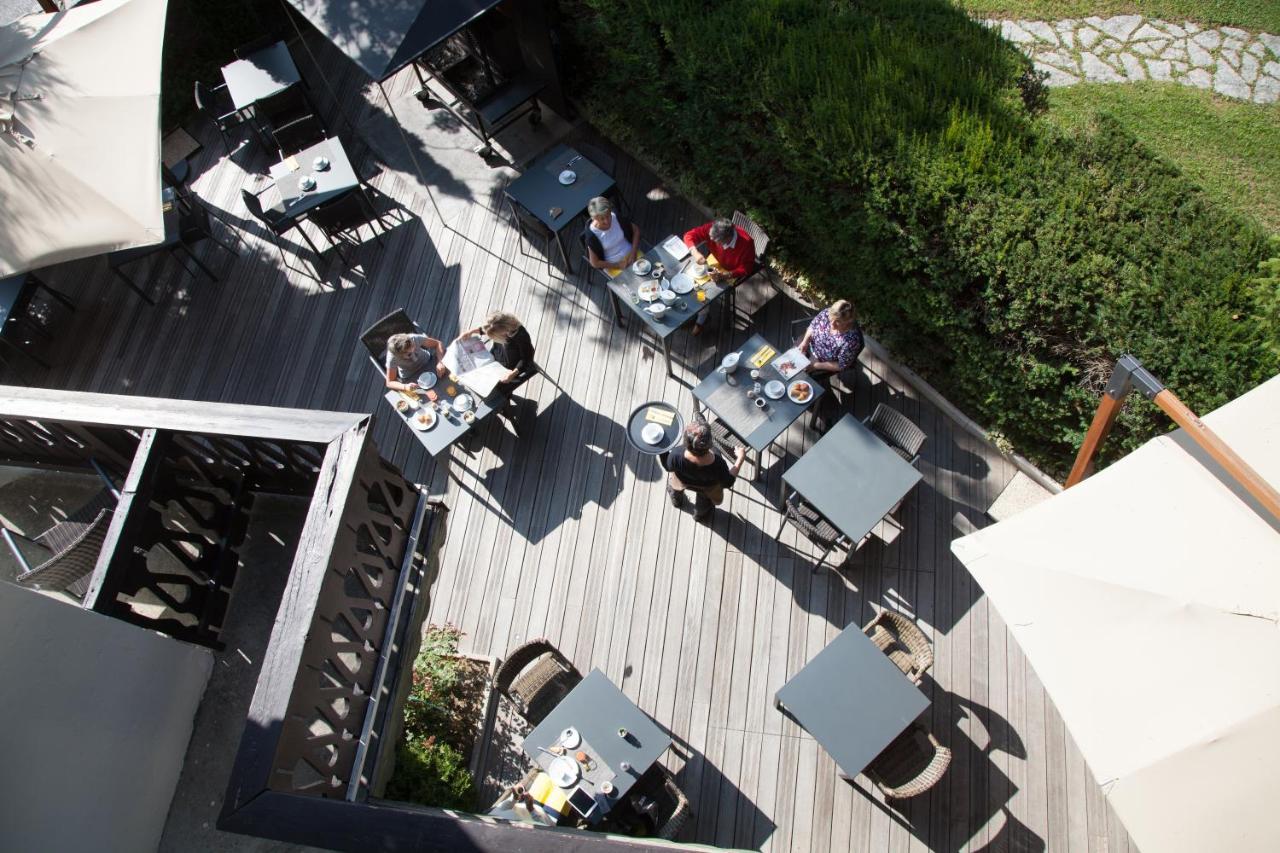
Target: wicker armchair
{"points": [[657, 798], [535, 677], [911, 765], [817, 529], [73, 545], [903, 642], [896, 430]]}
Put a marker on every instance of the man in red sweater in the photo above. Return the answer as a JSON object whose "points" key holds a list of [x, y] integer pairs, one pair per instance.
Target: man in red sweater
{"points": [[733, 248]]}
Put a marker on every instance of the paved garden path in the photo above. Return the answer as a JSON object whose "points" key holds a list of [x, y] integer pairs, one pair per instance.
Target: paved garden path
{"points": [[1228, 60]]}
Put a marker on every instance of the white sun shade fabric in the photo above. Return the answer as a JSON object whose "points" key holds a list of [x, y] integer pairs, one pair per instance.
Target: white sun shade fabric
{"points": [[1147, 598], [79, 133]]}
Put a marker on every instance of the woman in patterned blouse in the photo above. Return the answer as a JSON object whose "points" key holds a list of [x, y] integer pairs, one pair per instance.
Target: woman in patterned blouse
{"points": [[833, 340]]}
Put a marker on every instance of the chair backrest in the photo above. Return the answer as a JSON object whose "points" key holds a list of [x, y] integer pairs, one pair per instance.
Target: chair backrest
{"points": [[298, 135], [897, 431], [375, 337], [902, 641], [72, 561], [204, 100], [754, 231], [912, 764], [284, 106], [341, 214], [673, 807], [254, 204], [534, 677]]}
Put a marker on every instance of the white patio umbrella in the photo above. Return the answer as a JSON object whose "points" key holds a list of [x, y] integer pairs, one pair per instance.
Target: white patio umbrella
{"points": [[1147, 599], [79, 133]]}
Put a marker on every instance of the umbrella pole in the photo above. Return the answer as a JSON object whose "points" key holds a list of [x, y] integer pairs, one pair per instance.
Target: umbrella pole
{"points": [[1129, 373]]}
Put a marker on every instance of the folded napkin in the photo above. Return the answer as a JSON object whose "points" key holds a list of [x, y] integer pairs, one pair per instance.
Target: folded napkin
{"points": [[762, 356], [660, 416]]}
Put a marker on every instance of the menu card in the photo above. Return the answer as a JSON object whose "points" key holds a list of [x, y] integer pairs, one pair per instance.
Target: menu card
{"points": [[474, 366]]}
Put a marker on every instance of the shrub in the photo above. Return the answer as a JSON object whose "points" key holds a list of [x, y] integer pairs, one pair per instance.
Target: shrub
{"points": [[435, 675], [432, 773], [891, 150]]}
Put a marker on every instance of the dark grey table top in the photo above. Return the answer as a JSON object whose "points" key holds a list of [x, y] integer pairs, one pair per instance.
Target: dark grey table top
{"points": [[672, 433], [260, 74], [447, 429], [597, 709], [852, 699], [626, 283], [334, 181], [539, 188], [10, 290], [852, 477], [726, 396]]}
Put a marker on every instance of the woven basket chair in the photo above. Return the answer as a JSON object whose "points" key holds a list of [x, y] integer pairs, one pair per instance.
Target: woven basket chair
{"points": [[896, 430], [73, 545], [535, 677], [911, 765], [903, 642]]}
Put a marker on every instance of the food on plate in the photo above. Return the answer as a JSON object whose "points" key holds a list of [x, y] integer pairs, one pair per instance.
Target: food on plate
{"points": [[402, 405], [425, 418], [800, 392]]}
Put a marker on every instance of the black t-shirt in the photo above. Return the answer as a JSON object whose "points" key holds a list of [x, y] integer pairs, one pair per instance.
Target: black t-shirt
{"points": [[698, 476], [516, 354]]}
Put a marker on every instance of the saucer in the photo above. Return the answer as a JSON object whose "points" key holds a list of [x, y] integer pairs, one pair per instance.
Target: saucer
{"points": [[568, 176]]}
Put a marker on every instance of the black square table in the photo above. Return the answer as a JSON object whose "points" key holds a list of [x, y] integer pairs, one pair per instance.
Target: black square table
{"points": [[852, 699], [852, 478], [260, 75], [447, 429], [623, 291], [539, 190], [339, 179], [597, 709], [726, 396]]}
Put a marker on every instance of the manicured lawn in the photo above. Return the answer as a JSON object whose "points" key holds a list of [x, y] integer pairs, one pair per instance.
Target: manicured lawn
{"points": [[1231, 148], [1250, 14]]}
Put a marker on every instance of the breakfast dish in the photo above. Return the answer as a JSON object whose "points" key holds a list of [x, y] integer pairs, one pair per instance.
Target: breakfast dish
{"points": [[427, 380], [648, 291], [774, 389], [800, 391], [642, 267], [424, 420]]}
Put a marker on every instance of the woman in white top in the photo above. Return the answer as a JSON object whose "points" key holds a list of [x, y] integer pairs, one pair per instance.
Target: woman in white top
{"points": [[611, 240]]}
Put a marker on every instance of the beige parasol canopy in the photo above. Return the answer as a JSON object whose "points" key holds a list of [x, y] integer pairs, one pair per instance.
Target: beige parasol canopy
{"points": [[79, 133], [1147, 598]]}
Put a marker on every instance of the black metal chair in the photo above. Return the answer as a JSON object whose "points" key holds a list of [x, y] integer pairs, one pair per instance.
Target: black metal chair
{"points": [[536, 677], [72, 545], [341, 219], [607, 164], [298, 135], [375, 337], [285, 107], [215, 103], [276, 221], [527, 224], [805, 518]]}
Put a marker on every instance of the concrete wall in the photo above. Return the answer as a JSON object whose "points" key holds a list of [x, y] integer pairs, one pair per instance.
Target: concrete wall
{"points": [[95, 716]]}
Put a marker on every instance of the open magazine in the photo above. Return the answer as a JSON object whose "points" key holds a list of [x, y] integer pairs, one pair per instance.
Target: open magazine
{"points": [[474, 366]]}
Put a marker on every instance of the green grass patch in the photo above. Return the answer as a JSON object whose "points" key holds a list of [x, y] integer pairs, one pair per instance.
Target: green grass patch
{"points": [[1261, 15], [1230, 148]]}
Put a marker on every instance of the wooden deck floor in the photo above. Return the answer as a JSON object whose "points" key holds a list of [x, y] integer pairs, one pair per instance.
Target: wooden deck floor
{"points": [[565, 532]]}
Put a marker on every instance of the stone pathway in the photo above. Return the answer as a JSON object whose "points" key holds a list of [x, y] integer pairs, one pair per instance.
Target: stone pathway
{"points": [[1228, 60]]}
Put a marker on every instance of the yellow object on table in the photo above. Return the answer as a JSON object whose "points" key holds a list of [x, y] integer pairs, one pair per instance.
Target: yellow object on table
{"points": [[660, 416], [762, 356], [292, 163], [549, 794]]}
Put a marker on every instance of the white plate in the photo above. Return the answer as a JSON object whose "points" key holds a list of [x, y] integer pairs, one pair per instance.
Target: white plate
{"points": [[568, 176], [424, 420], [773, 389], [648, 291], [462, 403], [427, 380], [791, 392], [653, 433], [682, 284], [641, 267], [667, 296], [569, 738], [564, 771]]}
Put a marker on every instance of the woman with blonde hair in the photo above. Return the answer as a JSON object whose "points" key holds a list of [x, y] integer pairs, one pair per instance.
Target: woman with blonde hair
{"points": [[832, 343], [512, 348]]}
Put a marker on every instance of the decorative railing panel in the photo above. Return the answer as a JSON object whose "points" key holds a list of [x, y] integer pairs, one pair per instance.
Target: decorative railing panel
{"points": [[65, 444]]}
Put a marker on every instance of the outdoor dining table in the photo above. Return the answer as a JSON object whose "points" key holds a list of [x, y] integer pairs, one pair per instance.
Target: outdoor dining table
{"points": [[260, 75], [851, 477], [552, 203], [620, 740], [449, 426], [852, 699], [337, 180], [624, 290], [725, 394]]}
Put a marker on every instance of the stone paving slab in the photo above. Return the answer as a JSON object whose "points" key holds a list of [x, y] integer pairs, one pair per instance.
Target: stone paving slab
{"points": [[1126, 48]]}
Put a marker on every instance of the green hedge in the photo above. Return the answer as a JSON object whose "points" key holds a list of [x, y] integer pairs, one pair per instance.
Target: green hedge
{"points": [[889, 149]]}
